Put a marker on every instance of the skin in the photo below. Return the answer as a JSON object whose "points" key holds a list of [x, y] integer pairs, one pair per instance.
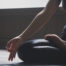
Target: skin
{"points": [[37, 24], [55, 38]]}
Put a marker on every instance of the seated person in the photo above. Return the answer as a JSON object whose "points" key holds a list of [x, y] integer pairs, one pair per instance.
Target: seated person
{"points": [[37, 24]]}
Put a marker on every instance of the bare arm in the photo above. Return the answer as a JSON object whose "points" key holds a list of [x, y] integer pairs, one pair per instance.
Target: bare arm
{"points": [[40, 20]]}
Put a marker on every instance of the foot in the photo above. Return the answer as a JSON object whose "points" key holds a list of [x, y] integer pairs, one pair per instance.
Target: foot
{"points": [[53, 37]]}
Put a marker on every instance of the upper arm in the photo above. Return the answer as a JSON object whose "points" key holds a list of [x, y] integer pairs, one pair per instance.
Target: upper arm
{"points": [[52, 5], [50, 8]]}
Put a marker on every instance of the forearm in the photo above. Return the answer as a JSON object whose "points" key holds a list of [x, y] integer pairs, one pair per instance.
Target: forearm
{"points": [[40, 20]]}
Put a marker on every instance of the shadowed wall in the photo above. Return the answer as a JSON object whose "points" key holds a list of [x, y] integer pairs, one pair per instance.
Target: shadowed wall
{"points": [[14, 21]]}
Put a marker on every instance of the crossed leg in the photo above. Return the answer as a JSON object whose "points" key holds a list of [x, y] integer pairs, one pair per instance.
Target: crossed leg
{"points": [[53, 37]]}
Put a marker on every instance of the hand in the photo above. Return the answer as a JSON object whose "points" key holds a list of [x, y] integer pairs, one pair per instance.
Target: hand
{"points": [[12, 46]]}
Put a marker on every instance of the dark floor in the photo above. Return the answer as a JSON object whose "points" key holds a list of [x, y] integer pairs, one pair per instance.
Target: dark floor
{"points": [[16, 62]]}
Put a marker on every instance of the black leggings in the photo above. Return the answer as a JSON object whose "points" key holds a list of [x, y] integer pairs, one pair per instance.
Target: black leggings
{"points": [[42, 51], [64, 4]]}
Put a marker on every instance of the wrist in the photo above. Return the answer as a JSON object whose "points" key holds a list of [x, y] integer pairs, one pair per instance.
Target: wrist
{"points": [[21, 38]]}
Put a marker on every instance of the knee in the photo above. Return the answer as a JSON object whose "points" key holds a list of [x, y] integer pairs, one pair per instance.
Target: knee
{"points": [[39, 50]]}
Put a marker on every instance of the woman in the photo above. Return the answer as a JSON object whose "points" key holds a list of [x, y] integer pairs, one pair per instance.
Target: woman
{"points": [[37, 23]]}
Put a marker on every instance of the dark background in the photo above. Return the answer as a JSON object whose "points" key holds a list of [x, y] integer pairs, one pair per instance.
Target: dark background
{"points": [[14, 21]]}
